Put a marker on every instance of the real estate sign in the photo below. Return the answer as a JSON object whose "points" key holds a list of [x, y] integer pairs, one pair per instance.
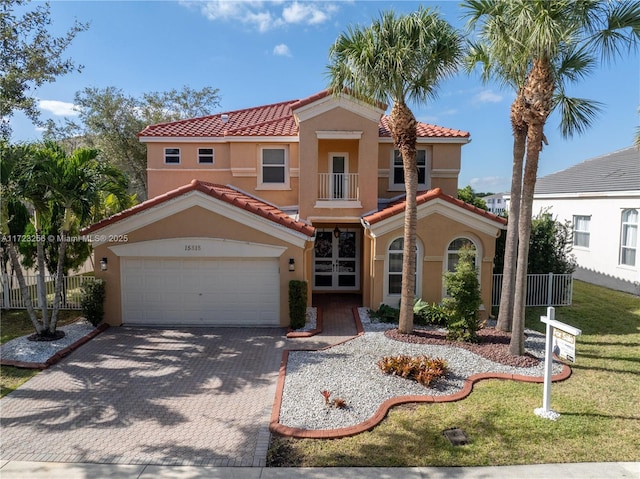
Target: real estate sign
{"points": [[564, 345]]}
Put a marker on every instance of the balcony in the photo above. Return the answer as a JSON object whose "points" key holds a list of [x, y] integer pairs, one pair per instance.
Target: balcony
{"points": [[338, 187]]}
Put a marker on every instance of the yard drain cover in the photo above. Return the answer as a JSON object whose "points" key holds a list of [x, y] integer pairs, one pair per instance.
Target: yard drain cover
{"points": [[456, 436]]}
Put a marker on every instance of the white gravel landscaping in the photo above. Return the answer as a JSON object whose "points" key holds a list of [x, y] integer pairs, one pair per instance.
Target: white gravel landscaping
{"points": [[349, 371], [21, 349]]}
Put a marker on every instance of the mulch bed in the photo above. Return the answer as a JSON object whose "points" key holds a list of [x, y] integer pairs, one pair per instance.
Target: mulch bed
{"points": [[492, 344]]}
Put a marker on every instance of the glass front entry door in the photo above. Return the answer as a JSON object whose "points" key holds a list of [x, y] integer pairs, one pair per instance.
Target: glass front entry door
{"points": [[336, 260]]}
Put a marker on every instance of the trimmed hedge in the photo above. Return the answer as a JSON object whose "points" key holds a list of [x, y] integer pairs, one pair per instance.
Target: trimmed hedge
{"points": [[297, 304]]}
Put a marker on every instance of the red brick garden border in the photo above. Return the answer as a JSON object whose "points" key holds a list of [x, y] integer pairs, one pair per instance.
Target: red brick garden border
{"points": [[307, 334], [277, 428]]}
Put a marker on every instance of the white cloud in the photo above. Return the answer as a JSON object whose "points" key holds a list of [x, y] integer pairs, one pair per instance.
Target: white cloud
{"points": [[265, 15], [282, 50], [487, 96], [59, 108]]}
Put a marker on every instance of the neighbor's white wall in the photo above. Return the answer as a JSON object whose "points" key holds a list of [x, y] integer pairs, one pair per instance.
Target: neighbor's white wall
{"points": [[601, 257]]}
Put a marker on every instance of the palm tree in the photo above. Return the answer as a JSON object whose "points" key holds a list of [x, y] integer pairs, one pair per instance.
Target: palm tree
{"points": [[398, 59], [78, 184], [558, 41], [11, 208]]}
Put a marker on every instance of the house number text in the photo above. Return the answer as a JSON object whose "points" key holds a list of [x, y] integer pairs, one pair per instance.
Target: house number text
{"points": [[192, 247]]}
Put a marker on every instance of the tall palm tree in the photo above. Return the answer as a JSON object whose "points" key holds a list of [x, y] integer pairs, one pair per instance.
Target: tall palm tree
{"points": [[558, 41], [398, 59], [78, 185]]}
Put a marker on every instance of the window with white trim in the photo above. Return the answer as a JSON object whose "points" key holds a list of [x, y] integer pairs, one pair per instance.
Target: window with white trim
{"points": [[172, 156], [581, 233], [629, 237], [453, 252], [396, 176], [273, 166], [205, 156], [395, 254]]}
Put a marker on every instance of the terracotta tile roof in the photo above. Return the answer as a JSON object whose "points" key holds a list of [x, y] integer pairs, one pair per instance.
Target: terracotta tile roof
{"points": [[398, 207], [424, 130], [275, 119], [220, 192]]}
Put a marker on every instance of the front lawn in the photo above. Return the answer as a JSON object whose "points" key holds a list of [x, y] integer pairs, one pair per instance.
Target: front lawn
{"points": [[13, 324], [599, 407]]}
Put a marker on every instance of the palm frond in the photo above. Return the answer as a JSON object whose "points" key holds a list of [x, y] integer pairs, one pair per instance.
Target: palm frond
{"points": [[576, 114]]}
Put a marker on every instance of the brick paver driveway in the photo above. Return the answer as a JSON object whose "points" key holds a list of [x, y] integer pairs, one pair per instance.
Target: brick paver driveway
{"points": [[198, 396]]}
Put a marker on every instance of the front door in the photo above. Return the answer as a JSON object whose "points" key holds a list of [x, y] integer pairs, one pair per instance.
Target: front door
{"points": [[336, 260]]}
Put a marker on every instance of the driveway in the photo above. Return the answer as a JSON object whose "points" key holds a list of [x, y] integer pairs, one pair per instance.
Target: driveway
{"points": [[197, 396]]}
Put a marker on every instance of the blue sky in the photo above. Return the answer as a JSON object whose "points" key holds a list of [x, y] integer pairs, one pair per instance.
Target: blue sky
{"points": [[259, 52]]}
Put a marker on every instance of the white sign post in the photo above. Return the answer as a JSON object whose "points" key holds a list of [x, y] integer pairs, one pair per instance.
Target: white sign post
{"points": [[563, 344]]}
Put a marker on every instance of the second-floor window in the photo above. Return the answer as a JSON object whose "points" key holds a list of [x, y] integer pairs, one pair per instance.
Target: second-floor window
{"points": [[172, 156], [581, 231], [397, 170], [205, 156], [273, 167]]}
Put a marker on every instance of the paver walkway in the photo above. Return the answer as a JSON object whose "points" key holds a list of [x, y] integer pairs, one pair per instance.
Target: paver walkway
{"points": [[148, 396]]}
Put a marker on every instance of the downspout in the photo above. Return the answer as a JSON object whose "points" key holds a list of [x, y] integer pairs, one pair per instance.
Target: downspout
{"points": [[372, 258]]}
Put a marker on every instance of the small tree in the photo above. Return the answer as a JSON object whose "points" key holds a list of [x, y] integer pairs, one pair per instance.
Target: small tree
{"points": [[464, 298], [92, 301]]}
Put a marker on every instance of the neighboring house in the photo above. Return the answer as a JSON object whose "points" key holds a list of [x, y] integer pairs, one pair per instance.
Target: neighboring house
{"points": [[496, 203], [601, 199], [245, 201]]}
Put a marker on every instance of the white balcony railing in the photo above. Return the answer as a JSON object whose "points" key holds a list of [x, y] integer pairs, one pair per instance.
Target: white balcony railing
{"points": [[338, 187]]}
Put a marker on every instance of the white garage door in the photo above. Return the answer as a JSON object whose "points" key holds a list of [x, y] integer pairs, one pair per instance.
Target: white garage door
{"points": [[201, 291]]}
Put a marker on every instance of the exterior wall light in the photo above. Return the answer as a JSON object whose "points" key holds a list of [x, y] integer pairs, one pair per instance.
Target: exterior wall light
{"points": [[103, 264], [336, 232], [292, 264]]}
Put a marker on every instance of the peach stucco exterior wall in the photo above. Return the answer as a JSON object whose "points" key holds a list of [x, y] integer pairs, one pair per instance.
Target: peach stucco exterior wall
{"points": [[199, 222], [243, 172], [314, 154], [434, 232], [445, 167]]}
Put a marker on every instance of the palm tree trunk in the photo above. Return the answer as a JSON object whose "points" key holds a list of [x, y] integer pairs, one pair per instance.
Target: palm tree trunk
{"points": [[403, 128], [505, 313], [24, 290], [538, 99], [62, 250], [42, 285]]}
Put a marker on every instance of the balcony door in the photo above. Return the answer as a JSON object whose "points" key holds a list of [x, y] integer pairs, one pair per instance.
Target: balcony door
{"points": [[339, 163], [336, 260]]}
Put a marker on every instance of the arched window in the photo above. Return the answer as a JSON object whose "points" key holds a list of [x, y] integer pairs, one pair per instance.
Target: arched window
{"points": [[629, 237], [393, 280], [453, 252]]}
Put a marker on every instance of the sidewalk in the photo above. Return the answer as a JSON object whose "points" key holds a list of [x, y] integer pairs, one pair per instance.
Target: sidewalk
{"points": [[51, 470]]}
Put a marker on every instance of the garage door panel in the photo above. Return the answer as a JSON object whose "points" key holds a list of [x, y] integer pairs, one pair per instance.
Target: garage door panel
{"points": [[205, 291]]}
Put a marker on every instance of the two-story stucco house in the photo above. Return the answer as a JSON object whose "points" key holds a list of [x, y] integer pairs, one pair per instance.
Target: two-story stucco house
{"points": [[245, 201]]}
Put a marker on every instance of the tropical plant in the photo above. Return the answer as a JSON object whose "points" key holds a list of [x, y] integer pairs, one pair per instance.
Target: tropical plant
{"points": [[92, 301], [539, 47], [398, 59], [464, 299]]}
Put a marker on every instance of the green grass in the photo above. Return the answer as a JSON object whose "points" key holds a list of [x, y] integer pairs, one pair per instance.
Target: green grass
{"points": [[599, 406], [13, 324]]}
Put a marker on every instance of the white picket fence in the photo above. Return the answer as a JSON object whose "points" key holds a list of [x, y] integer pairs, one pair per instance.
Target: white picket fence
{"points": [[11, 297], [542, 289]]}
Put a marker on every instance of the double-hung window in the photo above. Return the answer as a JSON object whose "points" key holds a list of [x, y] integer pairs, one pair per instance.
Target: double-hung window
{"points": [[273, 167], [581, 231], [397, 170], [629, 238], [205, 156], [172, 156]]}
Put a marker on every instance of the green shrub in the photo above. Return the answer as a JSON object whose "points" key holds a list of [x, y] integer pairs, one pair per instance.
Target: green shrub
{"points": [[385, 314], [297, 304], [92, 301], [463, 288], [421, 369], [430, 314]]}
